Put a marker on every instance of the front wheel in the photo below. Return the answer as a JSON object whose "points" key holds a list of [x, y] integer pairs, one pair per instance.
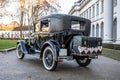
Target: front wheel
{"points": [[83, 61], [20, 54], [48, 58]]}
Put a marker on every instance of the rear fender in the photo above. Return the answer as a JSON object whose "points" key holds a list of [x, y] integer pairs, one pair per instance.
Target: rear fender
{"points": [[54, 45], [23, 47]]}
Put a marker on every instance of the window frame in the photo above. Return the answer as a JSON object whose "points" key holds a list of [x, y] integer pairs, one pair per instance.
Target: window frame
{"points": [[47, 22]]}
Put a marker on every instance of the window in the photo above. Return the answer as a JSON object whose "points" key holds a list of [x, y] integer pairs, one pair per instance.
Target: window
{"points": [[45, 25], [102, 6], [97, 30], [87, 14], [80, 15], [90, 13], [76, 25], [93, 11], [115, 3], [97, 9], [84, 14], [102, 29], [93, 30]]}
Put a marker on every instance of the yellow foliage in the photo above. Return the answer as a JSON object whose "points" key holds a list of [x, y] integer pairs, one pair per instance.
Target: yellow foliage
{"points": [[9, 27]]}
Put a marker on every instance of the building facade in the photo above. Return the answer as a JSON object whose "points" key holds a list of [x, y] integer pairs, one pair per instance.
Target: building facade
{"points": [[104, 16], [13, 34]]}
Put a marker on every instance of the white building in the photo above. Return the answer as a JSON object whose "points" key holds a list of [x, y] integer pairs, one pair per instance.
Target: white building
{"points": [[104, 16], [12, 34]]}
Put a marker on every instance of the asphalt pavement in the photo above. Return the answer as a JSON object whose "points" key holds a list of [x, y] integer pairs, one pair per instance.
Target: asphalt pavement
{"points": [[31, 68]]}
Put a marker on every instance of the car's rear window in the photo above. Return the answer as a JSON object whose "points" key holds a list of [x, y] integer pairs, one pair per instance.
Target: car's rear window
{"points": [[77, 25]]}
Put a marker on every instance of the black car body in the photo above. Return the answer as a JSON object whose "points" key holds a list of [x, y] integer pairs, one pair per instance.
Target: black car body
{"points": [[57, 37]]}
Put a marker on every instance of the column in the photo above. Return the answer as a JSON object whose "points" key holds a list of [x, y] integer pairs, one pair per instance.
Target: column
{"points": [[118, 21], [100, 31], [108, 20]]}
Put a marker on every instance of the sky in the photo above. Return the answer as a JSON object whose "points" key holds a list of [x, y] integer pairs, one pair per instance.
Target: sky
{"points": [[66, 5]]}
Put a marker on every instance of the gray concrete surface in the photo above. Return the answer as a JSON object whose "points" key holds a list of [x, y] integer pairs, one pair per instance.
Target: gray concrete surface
{"points": [[7, 50], [30, 68]]}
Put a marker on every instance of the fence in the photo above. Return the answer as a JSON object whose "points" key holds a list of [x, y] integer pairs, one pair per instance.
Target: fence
{"points": [[12, 34]]}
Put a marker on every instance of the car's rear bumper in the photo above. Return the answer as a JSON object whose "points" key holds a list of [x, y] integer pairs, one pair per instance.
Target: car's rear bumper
{"points": [[92, 52]]}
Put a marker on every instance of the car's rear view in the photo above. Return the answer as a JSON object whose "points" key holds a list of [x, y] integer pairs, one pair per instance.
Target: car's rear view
{"points": [[86, 46]]}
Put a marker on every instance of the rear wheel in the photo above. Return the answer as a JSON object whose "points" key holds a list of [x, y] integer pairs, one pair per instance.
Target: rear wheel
{"points": [[83, 61], [20, 54], [48, 58]]}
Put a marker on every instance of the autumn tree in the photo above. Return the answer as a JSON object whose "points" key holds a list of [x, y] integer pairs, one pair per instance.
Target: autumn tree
{"points": [[2, 6], [2, 9], [3, 3], [34, 9], [41, 8], [21, 15]]}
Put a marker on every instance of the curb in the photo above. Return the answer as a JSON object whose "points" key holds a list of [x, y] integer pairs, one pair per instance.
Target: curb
{"points": [[9, 49]]}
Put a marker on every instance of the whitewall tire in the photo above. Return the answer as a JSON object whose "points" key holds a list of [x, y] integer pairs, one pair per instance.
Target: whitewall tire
{"points": [[20, 54], [48, 59]]}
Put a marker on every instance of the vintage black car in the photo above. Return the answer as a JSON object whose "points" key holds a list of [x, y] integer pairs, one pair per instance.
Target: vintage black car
{"points": [[58, 37]]}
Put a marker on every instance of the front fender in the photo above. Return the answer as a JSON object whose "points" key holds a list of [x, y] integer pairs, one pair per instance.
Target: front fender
{"points": [[23, 47], [53, 45]]}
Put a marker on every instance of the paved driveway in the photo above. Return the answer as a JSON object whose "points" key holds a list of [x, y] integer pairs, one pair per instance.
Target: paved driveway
{"points": [[30, 68]]}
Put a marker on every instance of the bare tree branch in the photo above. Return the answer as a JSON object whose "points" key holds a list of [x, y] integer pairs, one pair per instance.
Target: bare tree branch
{"points": [[34, 9], [2, 3]]}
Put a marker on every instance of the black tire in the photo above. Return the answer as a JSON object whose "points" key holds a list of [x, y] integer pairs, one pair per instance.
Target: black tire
{"points": [[83, 61], [20, 54], [48, 59]]}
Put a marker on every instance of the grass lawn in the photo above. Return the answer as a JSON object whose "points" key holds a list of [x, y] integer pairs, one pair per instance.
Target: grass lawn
{"points": [[4, 44], [114, 54]]}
